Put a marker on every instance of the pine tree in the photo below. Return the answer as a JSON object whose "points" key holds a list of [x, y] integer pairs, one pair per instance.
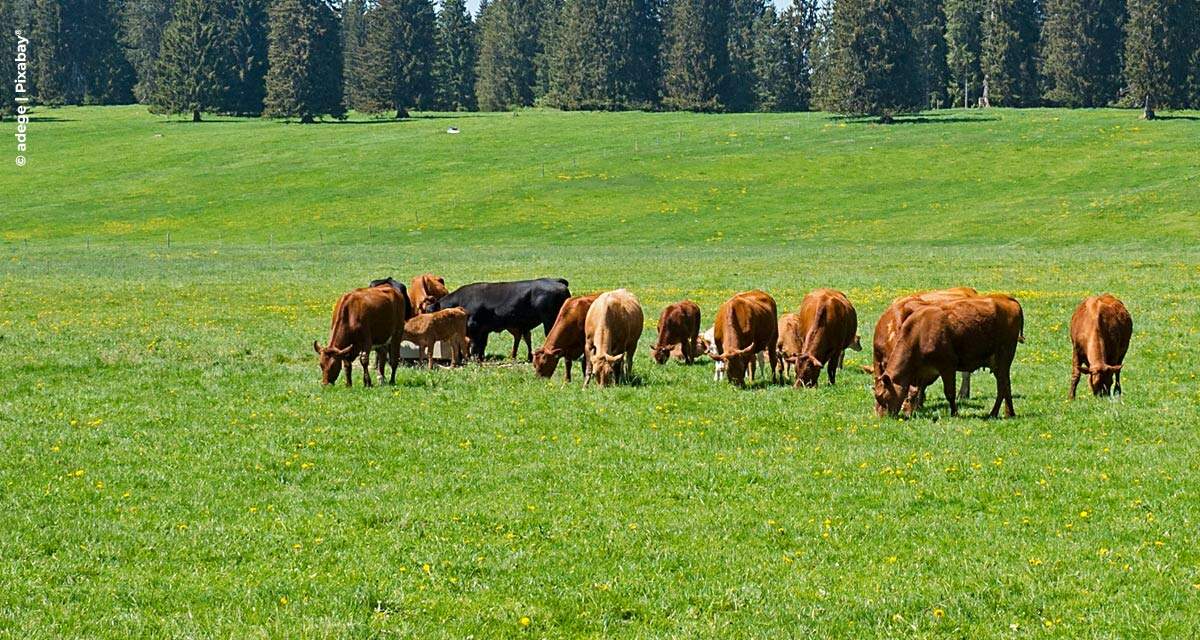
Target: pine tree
{"points": [[928, 22], [1156, 55], [192, 60], [737, 92], [80, 59], [304, 77], [510, 45], [873, 62], [1009, 53], [143, 23], [244, 23], [397, 59], [1081, 51], [606, 59], [964, 49], [454, 68], [781, 54], [695, 54], [354, 42]]}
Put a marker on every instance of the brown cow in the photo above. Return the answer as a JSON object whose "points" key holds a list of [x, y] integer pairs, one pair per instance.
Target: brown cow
{"points": [[789, 344], [1100, 332], [425, 290], [829, 325], [448, 326], [679, 325], [889, 323], [746, 325], [937, 340], [566, 338], [612, 328], [363, 320]]}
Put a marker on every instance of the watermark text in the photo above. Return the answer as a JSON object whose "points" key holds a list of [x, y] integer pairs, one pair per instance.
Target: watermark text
{"points": [[21, 93]]}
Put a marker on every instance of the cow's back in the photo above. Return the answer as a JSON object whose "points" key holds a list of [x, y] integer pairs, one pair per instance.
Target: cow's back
{"points": [[748, 318], [828, 319], [1103, 318], [614, 322]]}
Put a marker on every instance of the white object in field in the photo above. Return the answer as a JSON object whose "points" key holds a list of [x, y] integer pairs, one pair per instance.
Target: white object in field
{"points": [[452, 130], [719, 367], [409, 351]]}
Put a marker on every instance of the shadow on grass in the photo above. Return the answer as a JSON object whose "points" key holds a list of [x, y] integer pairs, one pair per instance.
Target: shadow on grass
{"points": [[1178, 117], [43, 119], [923, 118]]}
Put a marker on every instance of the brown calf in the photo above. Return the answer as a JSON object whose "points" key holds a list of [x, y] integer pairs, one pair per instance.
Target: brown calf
{"points": [[566, 338], [363, 320], [829, 325], [937, 340], [679, 325], [425, 290], [789, 344], [448, 326], [1100, 332], [612, 328], [745, 326]]}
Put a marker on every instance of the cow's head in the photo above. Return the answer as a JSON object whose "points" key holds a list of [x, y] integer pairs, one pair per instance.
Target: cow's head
{"points": [[888, 396], [604, 368], [330, 360], [1101, 377], [545, 360], [808, 370], [660, 354], [736, 363]]}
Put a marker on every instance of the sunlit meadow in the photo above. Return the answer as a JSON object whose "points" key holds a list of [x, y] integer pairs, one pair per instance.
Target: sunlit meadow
{"points": [[171, 467]]}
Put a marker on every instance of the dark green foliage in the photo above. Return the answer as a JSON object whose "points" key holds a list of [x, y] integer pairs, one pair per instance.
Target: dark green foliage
{"points": [[8, 22], [738, 87], [781, 57], [191, 73], [964, 50], [929, 30], [1081, 51], [143, 23], [602, 55], [695, 54], [304, 79], [244, 23], [354, 42], [1157, 52], [396, 68], [79, 58], [1009, 53], [873, 59], [510, 45], [454, 68]]}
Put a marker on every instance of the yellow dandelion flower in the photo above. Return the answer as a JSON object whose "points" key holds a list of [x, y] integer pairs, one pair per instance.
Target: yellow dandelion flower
{"points": [[524, 621]]}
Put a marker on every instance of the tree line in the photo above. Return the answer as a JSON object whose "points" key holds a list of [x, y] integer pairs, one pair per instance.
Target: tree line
{"points": [[308, 59]]}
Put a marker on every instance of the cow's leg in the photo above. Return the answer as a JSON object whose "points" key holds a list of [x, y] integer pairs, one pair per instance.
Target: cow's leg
{"points": [[430, 354], [1003, 394], [964, 392], [948, 389], [394, 358], [1117, 386], [1075, 373], [365, 360], [381, 362], [832, 366], [479, 345], [529, 346], [773, 356], [349, 366], [568, 372]]}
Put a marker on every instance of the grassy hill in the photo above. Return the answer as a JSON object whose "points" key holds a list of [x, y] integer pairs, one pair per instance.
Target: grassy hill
{"points": [[171, 466]]}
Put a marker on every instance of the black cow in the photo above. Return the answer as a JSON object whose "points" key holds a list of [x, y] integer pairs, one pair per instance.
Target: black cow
{"points": [[516, 307]]}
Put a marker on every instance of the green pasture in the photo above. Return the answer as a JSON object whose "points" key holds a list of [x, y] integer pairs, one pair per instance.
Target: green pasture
{"points": [[171, 467]]}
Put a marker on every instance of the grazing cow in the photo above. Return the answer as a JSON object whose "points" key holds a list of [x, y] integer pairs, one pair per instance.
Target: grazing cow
{"points": [[679, 325], [516, 307], [364, 320], [790, 343], [425, 290], [611, 330], [566, 338], [746, 324], [937, 340], [1100, 332], [889, 323], [829, 326], [448, 326]]}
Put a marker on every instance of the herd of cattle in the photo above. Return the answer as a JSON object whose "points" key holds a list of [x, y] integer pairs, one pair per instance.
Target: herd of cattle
{"points": [[919, 338]]}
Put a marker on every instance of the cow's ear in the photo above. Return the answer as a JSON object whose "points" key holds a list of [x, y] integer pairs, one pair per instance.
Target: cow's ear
{"points": [[316, 347], [886, 380], [1115, 368], [1083, 368], [617, 358]]}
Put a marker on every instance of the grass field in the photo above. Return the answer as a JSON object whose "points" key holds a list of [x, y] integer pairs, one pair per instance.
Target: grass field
{"points": [[171, 467]]}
